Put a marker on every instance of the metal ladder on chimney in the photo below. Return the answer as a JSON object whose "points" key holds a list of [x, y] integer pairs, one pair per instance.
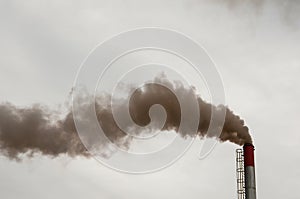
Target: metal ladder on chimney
{"points": [[240, 174]]}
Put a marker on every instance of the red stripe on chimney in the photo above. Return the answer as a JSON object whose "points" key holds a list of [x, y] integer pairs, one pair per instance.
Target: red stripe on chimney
{"points": [[248, 155]]}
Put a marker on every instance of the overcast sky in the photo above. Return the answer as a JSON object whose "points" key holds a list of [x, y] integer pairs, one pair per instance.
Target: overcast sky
{"points": [[254, 44]]}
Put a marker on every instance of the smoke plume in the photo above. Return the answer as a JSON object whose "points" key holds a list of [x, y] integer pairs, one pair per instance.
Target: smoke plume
{"points": [[37, 130]]}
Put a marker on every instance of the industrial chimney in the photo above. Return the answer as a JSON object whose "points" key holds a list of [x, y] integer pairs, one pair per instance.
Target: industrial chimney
{"points": [[250, 187], [246, 172]]}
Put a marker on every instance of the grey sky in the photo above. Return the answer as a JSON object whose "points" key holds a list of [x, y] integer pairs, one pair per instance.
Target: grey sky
{"points": [[256, 49]]}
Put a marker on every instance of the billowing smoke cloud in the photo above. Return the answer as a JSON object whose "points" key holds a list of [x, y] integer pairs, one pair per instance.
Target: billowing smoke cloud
{"points": [[37, 130], [233, 130], [33, 130]]}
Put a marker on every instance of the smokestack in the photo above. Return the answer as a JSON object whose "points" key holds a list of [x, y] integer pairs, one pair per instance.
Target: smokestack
{"points": [[249, 169]]}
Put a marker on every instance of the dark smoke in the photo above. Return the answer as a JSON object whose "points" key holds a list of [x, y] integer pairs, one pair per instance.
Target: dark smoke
{"points": [[36, 130], [233, 130], [32, 130]]}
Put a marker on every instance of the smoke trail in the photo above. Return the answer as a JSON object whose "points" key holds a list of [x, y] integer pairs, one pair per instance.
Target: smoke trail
{"points": [[37, 130], [233, 130], [32, 130]]}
